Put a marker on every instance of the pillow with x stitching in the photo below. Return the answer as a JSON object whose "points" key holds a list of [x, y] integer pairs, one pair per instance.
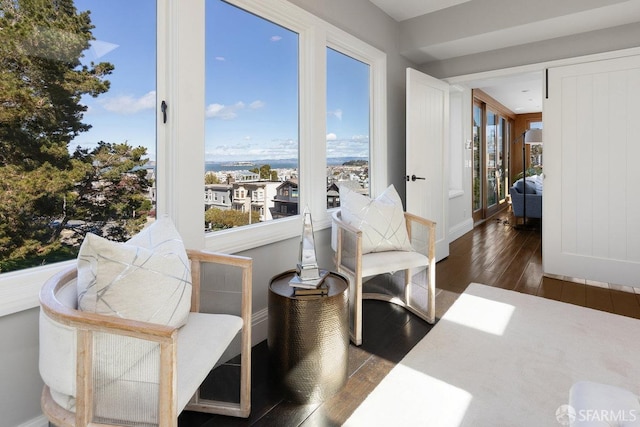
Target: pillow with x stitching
{"points": [[381, 220]]}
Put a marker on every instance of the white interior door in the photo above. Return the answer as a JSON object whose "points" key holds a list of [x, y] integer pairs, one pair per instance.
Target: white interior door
{"points": [[427, 137], [591, 207]]}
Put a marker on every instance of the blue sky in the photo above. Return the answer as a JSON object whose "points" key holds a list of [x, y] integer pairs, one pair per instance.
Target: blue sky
{"points": [[251, 88]]}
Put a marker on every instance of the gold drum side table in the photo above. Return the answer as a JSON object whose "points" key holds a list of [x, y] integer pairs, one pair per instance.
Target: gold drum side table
{"points": [[308, 338]]}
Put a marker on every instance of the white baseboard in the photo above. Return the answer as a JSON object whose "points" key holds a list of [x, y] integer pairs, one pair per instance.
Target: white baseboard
{"points": [[40, 421], [460, 229], [259, 326]]}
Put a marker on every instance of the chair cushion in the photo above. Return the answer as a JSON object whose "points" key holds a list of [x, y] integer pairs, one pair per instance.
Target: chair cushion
{"points": [[148, 278], [381, 220], [384, 262], [201, 343]]}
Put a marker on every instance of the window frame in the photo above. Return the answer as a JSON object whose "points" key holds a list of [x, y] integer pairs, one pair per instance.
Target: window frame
{"points": [[180, 141], [315, 35]]}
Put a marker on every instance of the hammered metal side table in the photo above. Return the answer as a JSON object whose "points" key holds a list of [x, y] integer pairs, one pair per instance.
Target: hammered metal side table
{"points": [[308, 338]]}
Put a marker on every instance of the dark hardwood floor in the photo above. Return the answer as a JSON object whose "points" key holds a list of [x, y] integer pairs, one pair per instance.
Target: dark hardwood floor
{"points": [[494, 253]]}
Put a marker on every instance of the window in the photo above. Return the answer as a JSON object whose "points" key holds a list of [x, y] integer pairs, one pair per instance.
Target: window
{"points": [[477, 156], [310, 177], [179, 60], [348, 97], [492, 124], [251, 99], [535, 153], [94, 141]]}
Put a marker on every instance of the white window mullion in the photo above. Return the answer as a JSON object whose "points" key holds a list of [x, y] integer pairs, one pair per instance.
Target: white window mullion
{"points": [[313, 78], [181, 184]]}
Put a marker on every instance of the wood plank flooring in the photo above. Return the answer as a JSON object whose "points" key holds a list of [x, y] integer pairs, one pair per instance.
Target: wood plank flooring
{"points": [[494, 253]]}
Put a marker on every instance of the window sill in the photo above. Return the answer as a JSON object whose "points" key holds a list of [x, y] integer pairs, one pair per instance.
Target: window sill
{"points": [[20, 290], [252, 236]]}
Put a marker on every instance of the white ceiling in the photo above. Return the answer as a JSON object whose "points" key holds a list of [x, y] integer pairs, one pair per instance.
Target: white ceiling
{"points": [[521, 93], [406, 9]]}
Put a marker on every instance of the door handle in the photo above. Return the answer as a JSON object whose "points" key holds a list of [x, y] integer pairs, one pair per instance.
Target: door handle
{"points": [[413, 177]]}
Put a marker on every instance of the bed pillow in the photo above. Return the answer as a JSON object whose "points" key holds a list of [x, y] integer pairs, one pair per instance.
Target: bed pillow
{"points": [[147, 278], [381, 220]]}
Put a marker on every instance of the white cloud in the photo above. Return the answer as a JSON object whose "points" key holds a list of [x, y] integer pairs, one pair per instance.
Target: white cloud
{"points": [[356, 146], [256, 104], [275, 149], [337, 114], [332, 137], [360, 138], [275, 38], [224, 112], [127, 104], [220, 58]]}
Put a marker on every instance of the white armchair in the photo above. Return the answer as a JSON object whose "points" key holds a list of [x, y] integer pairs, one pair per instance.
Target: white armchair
{"points": [[409, 276], [103, 369]]}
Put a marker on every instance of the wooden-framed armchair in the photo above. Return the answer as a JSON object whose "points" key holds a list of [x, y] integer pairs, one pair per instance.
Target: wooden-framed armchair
{"points": [[151, 372], [406, 278]]}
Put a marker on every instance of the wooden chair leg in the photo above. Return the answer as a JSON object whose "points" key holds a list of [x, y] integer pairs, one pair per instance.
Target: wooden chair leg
{"points": [[356, 332]]}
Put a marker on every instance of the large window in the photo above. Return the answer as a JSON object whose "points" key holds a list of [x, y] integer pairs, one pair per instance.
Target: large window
{"points": [[257, 93], [77, 138], [478, 137], [535, 152], [492, 127], [348, 103], [251, 96]]}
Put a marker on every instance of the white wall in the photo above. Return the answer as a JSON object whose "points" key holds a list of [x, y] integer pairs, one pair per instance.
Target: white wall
{"points": [[20, 383], [460, 215]]}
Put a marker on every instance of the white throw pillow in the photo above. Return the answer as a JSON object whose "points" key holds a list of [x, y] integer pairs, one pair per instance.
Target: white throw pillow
{"points": [[381, 220], [147, 278]]}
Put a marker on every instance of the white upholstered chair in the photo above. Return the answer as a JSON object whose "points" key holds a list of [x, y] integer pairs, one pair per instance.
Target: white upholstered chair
{"points": [[106, 370], [406, 277]]}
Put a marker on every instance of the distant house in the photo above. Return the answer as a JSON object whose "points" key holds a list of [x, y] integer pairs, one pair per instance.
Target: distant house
{"points": [[246, 176], [333, 196], [333, 191], [285, 202], [218, 196], [256, 196]]}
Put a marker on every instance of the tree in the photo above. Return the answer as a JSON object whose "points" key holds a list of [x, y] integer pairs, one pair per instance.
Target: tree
{"points": [[265, 172], [223, 219], [211, 178], [42, 81], [110, 184]]}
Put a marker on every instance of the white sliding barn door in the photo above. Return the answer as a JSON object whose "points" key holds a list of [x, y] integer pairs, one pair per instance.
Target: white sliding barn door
{"points": [[591, 208], [427, 135]]}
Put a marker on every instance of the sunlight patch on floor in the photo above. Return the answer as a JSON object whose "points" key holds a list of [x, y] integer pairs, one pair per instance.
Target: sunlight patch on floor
{"points": [[482, 314]]}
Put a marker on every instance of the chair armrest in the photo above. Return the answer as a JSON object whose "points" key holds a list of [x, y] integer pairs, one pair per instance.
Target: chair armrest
{"points": [[199, 257], [348, 245], [96, 322], [422, 233]]}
